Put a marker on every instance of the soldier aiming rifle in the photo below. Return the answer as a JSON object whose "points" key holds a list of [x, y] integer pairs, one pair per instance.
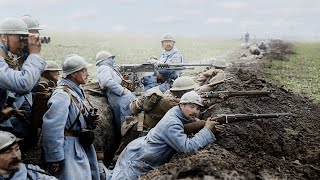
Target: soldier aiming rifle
{"points": [[229, 118]]}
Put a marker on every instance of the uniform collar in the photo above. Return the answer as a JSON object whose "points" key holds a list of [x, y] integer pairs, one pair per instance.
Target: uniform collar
{"points": [[178, 112], [73, 86]]}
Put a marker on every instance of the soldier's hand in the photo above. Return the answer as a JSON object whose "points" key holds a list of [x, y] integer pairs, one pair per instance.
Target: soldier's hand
{"points": [[20, 113], [223, 96], [125, 91], [54, 167], [34, 44], [214, 126]]}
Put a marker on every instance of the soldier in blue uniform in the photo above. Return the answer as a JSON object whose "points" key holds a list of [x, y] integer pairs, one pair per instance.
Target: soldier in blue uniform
{"points": [[66, 134], [10, 161]]}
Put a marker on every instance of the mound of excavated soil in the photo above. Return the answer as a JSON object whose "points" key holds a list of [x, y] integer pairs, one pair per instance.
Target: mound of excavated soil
{"points": [[277, 148]]}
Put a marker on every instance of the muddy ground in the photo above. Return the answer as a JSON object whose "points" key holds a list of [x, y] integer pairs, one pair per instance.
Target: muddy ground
{"points": [[277, 148]]}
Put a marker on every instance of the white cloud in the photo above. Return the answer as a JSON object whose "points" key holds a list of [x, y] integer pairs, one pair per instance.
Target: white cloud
{"points": [[119, 28], [84, 13], [169, 19], [251, 25], [218, 20], [37, 3]]}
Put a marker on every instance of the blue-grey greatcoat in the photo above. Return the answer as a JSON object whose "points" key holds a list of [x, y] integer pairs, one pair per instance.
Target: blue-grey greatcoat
{"points": [[29, 172], [160, 144], [20, 82], [110, 82], [166, 57], [77, 162]]}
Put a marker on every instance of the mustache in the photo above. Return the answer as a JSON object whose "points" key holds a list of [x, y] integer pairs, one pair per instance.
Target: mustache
{"points": [[15, 161]]}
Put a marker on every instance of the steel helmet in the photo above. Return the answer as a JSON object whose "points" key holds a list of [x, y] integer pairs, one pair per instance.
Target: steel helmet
{"points": [[52, 66], [183, 83], [168, 37], [31, 22], [6, 139], [103, 55], [191, 97], [73, 63], [13, 25], [220, 63]]}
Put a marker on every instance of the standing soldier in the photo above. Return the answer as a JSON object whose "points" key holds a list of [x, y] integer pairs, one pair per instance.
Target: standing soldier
{"points": [[49, 77], [67, 134], [12, 34], [170, 55], [112, 84], [24, 102]]}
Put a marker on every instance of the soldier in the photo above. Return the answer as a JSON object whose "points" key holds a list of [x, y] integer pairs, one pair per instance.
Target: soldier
{"points": [[150, 108], [10, 161], [67, 135], [49, 77], [166, 139], [112, 85], [12, 30], [246, 37], [170, 55], [24, 102], [211, 75]]}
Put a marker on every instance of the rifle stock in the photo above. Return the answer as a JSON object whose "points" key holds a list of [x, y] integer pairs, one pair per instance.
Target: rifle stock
{"points": [[195, 127]]}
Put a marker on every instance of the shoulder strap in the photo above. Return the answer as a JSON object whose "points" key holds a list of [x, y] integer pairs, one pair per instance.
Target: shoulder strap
{"points": [[75, 101]]}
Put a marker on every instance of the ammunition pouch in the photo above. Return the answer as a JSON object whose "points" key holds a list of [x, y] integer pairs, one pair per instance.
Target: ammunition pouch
{"points": [[86, 137], [129, 122], [127, 84]]}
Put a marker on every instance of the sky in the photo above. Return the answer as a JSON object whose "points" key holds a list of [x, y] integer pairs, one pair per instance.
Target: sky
{"points": [[287, 19]]}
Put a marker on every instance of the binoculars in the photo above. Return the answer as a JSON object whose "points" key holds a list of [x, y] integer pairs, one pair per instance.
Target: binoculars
{"points": [[43, 39], [92, 117]]}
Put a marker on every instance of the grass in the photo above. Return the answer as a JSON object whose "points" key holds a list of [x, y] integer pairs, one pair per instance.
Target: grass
{"points": [[301, 72], [131, 48]]}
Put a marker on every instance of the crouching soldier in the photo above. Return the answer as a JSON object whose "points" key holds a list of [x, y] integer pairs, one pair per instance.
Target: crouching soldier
{"points": [[150, 108], [10, 161], [67, 135], [165, 139]]}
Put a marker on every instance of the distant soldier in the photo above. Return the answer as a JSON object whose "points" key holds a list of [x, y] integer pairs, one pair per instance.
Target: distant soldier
{"points": [[166, 139], [12, 32], [67, 130], [10, 161], [170, 55], [112, 85], [246, 37], [150, 108]]}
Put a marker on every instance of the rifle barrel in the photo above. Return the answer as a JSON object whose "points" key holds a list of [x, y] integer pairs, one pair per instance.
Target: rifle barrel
{"points": [[216, 94], [226, 118]]}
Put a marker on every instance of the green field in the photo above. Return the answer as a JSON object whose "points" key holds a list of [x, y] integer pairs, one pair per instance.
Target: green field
{"points": [[301, 73], [132, 48]]}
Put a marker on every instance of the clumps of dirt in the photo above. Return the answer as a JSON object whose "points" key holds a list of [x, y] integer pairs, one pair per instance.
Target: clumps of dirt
{"points": [[279, 50], [276, 148]]}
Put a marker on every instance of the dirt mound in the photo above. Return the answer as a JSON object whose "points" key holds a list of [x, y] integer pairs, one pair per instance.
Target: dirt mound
{"points": [[278, 148], [279, 50]]}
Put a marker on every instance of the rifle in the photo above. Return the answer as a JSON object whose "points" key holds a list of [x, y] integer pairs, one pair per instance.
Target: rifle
{"points": [[217, 94], [195, 127], [132, 70]]}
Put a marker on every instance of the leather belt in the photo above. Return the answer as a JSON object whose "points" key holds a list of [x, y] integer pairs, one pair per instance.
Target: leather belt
{"points": [[72, 133]]}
